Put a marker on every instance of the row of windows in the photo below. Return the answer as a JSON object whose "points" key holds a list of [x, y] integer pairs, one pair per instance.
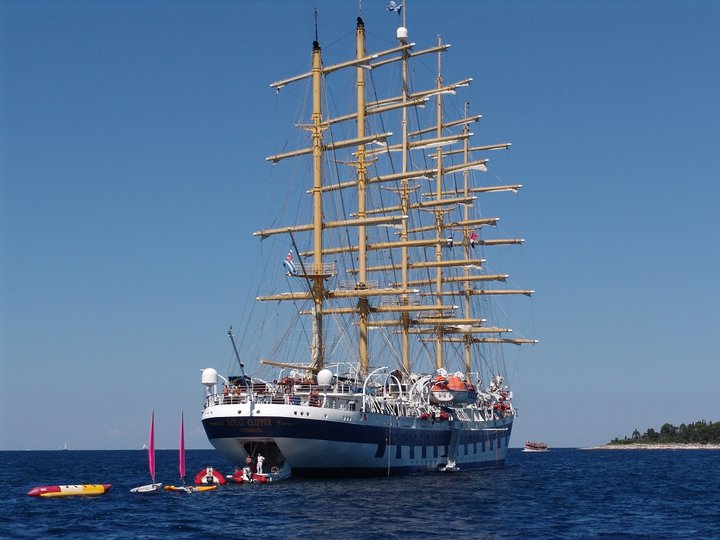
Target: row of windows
{"points": [[467, 448]]}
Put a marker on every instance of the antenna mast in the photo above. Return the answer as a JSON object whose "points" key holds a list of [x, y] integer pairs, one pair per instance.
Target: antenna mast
{"points": [[316, 25]]}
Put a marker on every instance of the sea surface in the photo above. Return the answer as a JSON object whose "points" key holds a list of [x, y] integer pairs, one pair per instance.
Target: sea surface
{"points": [[564, 493]]}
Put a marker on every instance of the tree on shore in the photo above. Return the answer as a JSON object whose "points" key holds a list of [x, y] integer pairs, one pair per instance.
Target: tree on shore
{"points": [[701, 432]]}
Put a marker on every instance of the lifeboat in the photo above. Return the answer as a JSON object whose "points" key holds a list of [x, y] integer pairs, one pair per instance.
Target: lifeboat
{"points": [[209, 477], [452, 389], [83, 490], [439, 392]]}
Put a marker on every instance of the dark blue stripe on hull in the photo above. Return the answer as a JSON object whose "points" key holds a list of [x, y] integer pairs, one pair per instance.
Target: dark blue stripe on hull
{"points": [[306, 428], [475, 449], [281, 426]]}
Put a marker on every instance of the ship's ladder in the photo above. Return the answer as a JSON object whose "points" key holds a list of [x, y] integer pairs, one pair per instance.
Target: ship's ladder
{"points": [[455, 426]]}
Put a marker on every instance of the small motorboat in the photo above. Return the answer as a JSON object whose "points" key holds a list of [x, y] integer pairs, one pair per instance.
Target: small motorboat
{"points": [[451, 466], [239, 477], [531, 446], [260, 478], [74, 490], [244, 476], [209, 476]]}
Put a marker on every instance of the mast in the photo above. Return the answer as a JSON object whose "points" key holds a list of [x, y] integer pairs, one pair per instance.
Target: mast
{"points": [[427, 236], [317, 153], [404, 203], [181, 451], [363, 304], [151, 448], [439, 213], [466, 245]]}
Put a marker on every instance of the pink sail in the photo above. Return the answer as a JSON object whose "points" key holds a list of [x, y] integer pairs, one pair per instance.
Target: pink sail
{"points": [[151, 448], [154, 487], [182, 446]]}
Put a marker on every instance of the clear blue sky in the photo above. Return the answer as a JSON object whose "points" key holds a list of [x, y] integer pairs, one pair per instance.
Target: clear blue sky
{"points": [[133, 139]]}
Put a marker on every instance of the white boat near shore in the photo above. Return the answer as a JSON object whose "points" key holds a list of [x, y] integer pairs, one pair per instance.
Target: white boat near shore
{"points": [[532, 446]]}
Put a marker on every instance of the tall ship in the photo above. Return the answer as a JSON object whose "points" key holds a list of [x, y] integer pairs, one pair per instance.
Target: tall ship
{"points": [[389, 352]]}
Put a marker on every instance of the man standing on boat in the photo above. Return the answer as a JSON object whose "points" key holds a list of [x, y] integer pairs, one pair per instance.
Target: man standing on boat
{"points": [[259, 465], [247, 470]]}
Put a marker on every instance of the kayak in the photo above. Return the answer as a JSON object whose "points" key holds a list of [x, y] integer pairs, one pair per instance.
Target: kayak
{"points": [[148, 488], [190, 489], [87, 490]]}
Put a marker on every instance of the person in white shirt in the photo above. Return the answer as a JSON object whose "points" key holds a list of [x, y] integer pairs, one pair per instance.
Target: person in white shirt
{"points": [[259, 466]]}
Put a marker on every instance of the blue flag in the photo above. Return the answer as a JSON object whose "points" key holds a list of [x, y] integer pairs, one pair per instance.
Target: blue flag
{"points": [[289, 264]]}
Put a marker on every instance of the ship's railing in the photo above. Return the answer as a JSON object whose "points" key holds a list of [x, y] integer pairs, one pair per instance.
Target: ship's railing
{"points": [[351, 284], [345, 395], [341, 396], [397, 300], [321, 269]]}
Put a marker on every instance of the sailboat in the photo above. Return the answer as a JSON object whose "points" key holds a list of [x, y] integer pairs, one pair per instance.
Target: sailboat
{"points": [[181, 466], [154, 487], [389, 282]]}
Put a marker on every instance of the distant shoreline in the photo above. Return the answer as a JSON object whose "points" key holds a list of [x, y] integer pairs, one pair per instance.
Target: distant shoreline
{"points": [[643, 446]]}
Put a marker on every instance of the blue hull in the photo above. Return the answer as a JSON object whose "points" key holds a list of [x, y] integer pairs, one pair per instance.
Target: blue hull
{"points": [[326, 448]]}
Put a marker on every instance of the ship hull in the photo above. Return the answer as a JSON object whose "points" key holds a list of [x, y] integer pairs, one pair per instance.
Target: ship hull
{"points": [[324, 442]]}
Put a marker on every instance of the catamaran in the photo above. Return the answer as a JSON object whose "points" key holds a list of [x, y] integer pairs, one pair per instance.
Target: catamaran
{"points": [[154, 487], [181, 466], [388, 283]]}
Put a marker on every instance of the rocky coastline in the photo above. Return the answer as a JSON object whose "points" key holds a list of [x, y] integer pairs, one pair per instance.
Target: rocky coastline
{"points": [[645, 446]]}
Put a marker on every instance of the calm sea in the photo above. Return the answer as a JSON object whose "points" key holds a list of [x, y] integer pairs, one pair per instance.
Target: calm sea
{"points": [[563, 493]]}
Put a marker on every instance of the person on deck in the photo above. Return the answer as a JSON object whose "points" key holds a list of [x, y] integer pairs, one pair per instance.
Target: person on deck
{"points": [[259, 465]]}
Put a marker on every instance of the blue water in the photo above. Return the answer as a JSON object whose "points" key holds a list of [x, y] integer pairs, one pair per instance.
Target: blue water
{"points": [[563, 493]]}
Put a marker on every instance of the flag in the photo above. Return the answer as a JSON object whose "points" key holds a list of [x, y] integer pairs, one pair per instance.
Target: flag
{"points": [[289, 264], [392, 6]]}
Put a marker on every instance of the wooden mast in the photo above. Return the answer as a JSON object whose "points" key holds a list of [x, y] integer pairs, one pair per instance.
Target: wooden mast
{"points": [[439, 214], [363, 304], [443, 326], [404, 204], [466, 246], [317, 153]]}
